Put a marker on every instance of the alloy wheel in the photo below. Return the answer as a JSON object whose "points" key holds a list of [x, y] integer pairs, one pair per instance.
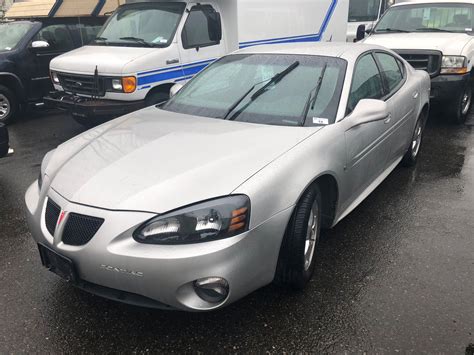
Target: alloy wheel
{"points": [[5, 106], [312, 236]]}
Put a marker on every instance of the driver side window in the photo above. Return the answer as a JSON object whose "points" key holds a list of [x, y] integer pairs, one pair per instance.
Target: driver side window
{"points": [[57, 36], [366, 82]]}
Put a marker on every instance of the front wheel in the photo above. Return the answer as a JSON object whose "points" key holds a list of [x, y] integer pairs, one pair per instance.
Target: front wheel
{"points": [[296, 262], [411, 156], [460, 107]]}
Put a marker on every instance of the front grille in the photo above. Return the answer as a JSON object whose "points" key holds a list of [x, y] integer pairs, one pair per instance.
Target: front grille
{"points": [[80, 229], [82, 84], [51, 216], [429, 61]]}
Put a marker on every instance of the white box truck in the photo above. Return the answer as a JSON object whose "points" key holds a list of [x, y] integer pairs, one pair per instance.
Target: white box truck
{"points": [[147, 47]]}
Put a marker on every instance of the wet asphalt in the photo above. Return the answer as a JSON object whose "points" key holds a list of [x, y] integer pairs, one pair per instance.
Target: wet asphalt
{"points": [[397, 275]]}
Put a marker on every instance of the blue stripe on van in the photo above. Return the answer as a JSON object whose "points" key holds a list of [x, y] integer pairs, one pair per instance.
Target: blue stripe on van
{"points": [[302, 38], [184, 72]]}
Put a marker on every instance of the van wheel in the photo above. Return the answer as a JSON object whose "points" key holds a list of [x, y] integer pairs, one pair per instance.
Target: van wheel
{"points": [[460, 108], [8, 105], [156, 98], [296, 262]]}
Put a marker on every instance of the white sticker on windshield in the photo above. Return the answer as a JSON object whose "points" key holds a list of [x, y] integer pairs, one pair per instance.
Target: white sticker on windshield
{"points": [[468, 29], [318, 120]]}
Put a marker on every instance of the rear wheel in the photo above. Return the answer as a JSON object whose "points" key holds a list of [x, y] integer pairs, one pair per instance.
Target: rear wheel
{"points": [[8, 105], [296, 262]]}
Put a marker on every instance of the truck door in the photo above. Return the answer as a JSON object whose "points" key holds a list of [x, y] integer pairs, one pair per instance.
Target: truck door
{"points": [[60, 41], [200, 39]]}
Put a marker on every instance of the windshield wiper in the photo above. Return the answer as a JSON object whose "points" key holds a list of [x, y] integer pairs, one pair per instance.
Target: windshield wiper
{"points": [[103, 39], [138, 40], [397, 30], [427, 29], [273, 81], [313, 98]]}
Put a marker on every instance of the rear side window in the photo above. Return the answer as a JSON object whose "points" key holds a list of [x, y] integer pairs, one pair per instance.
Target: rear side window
{"points": [[202, 27], [57, 36], [366, 82], [391, 70]]}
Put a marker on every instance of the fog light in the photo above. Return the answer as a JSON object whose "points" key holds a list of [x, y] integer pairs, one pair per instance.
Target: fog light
{"points": [[212, 289]]}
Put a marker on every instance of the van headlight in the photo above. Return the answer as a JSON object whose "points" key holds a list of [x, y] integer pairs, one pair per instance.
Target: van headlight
{"points": [[126, 84], [451, 64], [203, 222]]}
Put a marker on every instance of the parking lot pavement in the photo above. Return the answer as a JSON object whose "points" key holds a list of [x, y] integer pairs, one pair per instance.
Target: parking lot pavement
{"points": [[395, 275]]}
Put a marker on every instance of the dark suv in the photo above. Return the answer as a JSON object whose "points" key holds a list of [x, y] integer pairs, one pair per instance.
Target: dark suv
{"points": [[27, 47]]}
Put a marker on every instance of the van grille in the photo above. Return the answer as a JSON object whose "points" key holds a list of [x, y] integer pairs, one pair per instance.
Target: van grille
{"points": [[82, 84], [429, 61], [80, 229], [51, 216]]}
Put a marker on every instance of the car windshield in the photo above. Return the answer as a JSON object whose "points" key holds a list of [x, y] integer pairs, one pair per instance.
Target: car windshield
{"points": [[363, 10], [151, 24], [286, 90], [12, 33], [434, 17]]}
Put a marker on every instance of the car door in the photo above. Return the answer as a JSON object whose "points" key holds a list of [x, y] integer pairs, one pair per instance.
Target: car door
{"points": [[367, 145], [60, 41], [402, 98], [201, 38]]}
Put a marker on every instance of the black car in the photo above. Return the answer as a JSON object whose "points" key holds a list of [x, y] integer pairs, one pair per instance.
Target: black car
{"points": [[4, 143], [27, 47]]}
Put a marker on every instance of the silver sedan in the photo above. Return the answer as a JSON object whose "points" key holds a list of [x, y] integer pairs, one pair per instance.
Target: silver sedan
{"points": [[225, 188]]}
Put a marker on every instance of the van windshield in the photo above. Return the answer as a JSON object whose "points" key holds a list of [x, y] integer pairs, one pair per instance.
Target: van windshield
{"points": [[12, 33], [430, 17], [284, 90], [363, 10], [151, 24]]}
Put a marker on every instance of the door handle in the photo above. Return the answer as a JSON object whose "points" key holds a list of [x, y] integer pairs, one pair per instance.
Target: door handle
{"points": [[415, 95], [172, 61], [388, 119]]}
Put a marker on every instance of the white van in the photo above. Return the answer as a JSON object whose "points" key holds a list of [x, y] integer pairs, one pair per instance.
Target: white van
{"points": [[436, 36], [147, 47], [364, 14]]}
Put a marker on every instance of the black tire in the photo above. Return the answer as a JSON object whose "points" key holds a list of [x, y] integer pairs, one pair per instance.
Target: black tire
{"points": [[293, 271], [459, 109], [156, 98], [9, 105], [411, 156]]}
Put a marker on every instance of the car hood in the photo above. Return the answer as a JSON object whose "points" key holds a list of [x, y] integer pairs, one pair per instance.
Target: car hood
{"points": [[156, 161], [107, 59], [447, 43]]}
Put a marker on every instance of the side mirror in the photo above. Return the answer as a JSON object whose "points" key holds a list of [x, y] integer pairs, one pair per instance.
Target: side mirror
{"points": [[38, 45], [4, 142], [215, 26], [360, 35], [369, 110], [175, 89]]}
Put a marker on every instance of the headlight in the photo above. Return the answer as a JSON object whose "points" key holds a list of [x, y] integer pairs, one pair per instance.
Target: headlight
{"points": [[127, 84], [204, 222], [54, 77], [451, 64]]}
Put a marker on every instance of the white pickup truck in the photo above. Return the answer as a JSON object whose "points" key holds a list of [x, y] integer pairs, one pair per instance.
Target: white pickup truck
{"points": [[436, 36], [148, 46]]}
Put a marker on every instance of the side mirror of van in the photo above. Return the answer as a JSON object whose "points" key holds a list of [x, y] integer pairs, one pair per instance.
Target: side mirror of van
{"points": [[38, 45], [215, 26], [175, 89], [360, 34]]}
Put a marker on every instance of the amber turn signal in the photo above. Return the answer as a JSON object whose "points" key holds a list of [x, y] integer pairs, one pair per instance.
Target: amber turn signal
{"points": [[129, 84]]}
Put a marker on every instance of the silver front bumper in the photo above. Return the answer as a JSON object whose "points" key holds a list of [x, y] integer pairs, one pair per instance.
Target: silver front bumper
{"points": [[114, 261]]}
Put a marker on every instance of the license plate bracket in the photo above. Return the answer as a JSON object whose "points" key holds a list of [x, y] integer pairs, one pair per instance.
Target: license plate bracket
{"points": [[60, 265]]}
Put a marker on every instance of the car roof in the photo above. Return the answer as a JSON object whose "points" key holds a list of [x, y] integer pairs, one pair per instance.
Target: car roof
{"points": [[421, 2], [328, 49]]}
